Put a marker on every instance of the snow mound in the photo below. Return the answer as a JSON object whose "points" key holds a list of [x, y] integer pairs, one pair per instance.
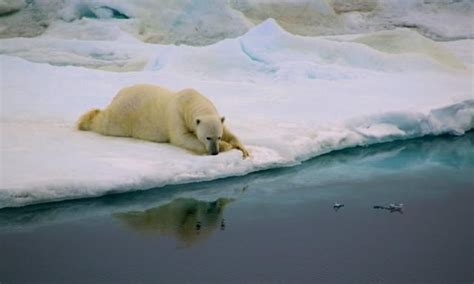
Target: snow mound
{"points": [[407, 41], [265, 51], [209, 21]]}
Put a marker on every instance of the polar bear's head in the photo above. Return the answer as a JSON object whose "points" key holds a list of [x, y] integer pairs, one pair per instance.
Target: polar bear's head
{"points": [[209, 130]]}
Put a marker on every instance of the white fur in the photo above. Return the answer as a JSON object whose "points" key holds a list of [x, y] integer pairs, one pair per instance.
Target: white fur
{"points": [[186, 119]]}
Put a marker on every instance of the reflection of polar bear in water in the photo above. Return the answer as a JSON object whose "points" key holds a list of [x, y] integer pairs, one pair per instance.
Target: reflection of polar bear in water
{"points": [[186, 119], [179, 218]]}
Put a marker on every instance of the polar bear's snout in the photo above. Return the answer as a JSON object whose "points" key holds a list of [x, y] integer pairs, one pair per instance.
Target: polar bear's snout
{"points": [[213, 148], [212, 145]]}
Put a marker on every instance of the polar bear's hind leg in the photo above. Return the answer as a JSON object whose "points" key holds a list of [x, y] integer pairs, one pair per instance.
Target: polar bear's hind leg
{"points": [[85, 121]]}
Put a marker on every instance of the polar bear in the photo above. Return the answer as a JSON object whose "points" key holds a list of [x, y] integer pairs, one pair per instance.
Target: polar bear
{"points": [[186, 119]]}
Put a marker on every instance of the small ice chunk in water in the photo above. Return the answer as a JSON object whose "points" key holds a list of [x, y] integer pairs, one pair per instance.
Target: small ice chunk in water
{"points": [[394, 206], [337, 206]]}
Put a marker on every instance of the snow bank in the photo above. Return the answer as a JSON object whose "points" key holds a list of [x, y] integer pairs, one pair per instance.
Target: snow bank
{"points": [[267, 50], [209, 21], [345, 167], [289, 98]]}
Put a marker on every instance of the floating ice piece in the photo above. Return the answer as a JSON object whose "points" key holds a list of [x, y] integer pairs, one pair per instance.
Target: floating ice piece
{"points": [[394, 206], [338, 206]]}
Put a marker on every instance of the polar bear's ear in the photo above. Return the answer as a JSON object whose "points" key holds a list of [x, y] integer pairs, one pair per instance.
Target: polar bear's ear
{"points": [[223, 119], [198, 121]]}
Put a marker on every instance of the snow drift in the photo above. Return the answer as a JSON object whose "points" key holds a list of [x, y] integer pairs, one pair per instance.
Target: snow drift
{"points": [[209, 21]]}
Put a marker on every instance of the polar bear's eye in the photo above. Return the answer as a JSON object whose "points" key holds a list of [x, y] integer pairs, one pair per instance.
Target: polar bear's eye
{"points": [[208, 138], [219, 138]]}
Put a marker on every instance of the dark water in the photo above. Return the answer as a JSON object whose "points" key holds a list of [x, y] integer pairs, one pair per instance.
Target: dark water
{"points": [[276, 226]]}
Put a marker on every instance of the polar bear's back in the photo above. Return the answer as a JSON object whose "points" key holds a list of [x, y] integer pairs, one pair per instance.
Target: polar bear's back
{"points": [[138, 111], [142, 92]]}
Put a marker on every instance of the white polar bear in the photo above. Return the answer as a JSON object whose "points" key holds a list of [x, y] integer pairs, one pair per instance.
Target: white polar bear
{"points": [[185, 119]]}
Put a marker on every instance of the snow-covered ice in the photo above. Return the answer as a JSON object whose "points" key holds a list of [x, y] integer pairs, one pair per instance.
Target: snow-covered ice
{"points": [[288, 98], [205, 22]]}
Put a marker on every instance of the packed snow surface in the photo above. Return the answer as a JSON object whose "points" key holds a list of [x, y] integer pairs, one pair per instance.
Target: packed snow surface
{"points": [[287, 97]]}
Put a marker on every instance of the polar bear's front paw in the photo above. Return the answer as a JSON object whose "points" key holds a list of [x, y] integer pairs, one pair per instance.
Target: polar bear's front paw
{"points": [[245, 153], [224, 146]]}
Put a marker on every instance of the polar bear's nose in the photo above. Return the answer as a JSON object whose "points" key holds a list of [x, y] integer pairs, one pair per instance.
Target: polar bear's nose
{"points": [[213, 148]]}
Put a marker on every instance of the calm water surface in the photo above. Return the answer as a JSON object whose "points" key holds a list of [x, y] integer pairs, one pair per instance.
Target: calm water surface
{"points": [[276, 226]]}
